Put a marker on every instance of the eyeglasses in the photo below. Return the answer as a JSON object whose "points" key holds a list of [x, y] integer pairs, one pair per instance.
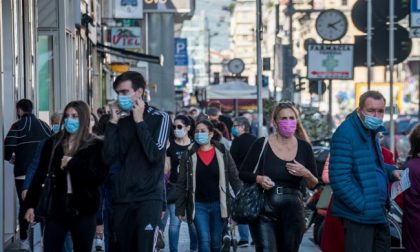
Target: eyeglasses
{"points": [[177, 126], [236, 125]]}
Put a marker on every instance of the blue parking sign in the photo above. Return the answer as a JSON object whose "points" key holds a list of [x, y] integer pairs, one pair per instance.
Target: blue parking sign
{"points": [[181, 52]]}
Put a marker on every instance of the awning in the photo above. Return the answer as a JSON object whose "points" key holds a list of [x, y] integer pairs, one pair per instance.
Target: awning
{"points": [[129, 55]]}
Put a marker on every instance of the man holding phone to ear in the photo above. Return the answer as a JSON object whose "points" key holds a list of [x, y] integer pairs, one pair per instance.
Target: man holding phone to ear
{"points": [[137, 142]]}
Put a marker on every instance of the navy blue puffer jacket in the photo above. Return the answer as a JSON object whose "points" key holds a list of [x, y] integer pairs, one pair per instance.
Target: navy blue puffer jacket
{"points": [[352, 173]]}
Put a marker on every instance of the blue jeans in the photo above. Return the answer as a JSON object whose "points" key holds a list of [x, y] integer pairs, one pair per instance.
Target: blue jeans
{"points": [[243, 232], [209, 224], [174, 226]]}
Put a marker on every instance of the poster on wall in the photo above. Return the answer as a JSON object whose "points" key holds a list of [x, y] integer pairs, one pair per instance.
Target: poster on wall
{"points": [[127, 38], [128, 9]]}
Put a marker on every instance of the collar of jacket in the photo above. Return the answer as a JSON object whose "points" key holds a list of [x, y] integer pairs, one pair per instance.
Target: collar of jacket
{"points": [[363, 131]]}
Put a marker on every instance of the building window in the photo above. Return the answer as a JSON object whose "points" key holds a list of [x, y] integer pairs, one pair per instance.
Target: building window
{"points": [[344, 2], [45, 70]]}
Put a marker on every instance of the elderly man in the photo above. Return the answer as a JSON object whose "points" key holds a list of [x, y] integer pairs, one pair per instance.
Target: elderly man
{"points": [[359, 178]]}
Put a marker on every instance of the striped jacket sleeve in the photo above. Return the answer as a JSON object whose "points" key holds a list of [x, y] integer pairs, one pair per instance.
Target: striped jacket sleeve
{"points": [[153, 135], [12, 139]]}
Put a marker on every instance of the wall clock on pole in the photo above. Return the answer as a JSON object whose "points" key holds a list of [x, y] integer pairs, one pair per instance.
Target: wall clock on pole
{"points": [[236, 66], [331, 24]]}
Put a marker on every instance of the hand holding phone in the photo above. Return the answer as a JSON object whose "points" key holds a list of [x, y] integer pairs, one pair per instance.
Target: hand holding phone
{"points": [[138, 110]]}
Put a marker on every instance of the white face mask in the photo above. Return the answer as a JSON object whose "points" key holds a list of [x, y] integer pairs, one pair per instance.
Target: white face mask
{"points": [[180, 133]]}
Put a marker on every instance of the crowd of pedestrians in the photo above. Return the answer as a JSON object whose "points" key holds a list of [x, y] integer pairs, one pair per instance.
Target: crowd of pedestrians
{"points": [[123, 178]]}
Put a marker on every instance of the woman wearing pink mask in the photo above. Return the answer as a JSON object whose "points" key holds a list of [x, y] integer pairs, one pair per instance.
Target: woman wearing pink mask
{"points": [[287, 161]]}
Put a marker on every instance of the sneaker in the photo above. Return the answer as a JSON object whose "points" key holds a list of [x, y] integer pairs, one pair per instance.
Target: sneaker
{"points": [[99, 244], [226, 243], [242, 244], [160, 243], [24, 245]]}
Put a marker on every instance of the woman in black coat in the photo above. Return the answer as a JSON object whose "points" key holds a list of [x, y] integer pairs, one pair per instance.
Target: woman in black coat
{"points": [[76, 161]]}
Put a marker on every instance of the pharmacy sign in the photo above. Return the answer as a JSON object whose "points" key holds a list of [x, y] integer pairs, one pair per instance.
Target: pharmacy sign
{"points": [[330, 61]]}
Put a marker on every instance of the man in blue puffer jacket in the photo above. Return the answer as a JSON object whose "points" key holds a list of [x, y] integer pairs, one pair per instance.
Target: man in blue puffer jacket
{"points": [[360, 179]]}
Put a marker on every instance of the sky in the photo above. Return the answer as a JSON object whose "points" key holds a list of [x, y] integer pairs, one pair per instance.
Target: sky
{"points": [[219, 21]]}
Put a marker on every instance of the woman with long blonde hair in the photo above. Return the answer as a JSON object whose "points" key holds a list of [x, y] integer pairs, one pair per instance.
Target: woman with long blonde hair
{"points": [[286, 161]]}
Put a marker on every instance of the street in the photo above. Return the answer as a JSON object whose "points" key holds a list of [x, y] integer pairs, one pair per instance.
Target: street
{"points": [[306, 246]]}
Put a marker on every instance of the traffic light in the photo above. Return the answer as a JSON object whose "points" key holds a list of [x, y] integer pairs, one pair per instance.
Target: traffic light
{"points": [[317, 87], [380, 37], [299, 86]]}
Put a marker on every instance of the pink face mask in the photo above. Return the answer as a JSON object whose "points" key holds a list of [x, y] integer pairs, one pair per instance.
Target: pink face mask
{"points": [[287, 128]]}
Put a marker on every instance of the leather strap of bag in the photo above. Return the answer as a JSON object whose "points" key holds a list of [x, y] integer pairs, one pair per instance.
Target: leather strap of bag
{"points": [[51, 158], [261, 153]]}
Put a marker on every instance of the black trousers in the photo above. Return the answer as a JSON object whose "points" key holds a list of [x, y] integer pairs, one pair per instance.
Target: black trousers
{"points": [[134, 226], [282, 229], [23, 224], [366, 237], [82, 229]]}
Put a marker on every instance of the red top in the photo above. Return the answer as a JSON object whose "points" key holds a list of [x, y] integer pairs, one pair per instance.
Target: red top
{"points": [[206, 156]]}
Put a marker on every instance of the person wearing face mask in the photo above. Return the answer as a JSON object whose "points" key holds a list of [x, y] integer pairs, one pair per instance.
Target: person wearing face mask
{"points": [[74, 156], [137, 142], [178, 146], [206, 172], [360, 179], [287, 160], [241, 144]]}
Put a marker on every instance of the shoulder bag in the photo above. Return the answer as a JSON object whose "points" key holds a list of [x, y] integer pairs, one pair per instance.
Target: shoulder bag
{"points": [[249, 202], [43, 208]]}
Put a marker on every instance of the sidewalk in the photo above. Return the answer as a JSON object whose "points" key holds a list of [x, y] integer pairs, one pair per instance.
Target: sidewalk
{"points": [[306, 246]]}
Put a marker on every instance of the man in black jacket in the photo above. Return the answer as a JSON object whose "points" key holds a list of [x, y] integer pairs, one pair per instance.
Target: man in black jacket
{"points": [[19, 148], [138, 143], [240, 145]]}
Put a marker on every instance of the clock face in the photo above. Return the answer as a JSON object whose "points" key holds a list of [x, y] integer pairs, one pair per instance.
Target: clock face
{"points": [[331, 25], [236, 66]]}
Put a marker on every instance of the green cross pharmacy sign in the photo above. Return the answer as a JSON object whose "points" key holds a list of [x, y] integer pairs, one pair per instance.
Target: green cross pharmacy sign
{"points": [[330, 62]]}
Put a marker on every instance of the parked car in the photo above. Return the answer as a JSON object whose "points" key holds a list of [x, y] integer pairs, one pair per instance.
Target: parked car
{"points": [[403, 127]]}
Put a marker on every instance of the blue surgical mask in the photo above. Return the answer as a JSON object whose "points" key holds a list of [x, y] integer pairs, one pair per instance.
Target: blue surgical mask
{"points": [[201, 138], [71, 125], [125, 102], [234, 131], [55, 128], [372, 123]]}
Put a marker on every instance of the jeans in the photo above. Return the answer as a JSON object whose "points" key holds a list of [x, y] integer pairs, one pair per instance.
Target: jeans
{"points": [[174, 226], [23, 224], [243, 232], [209, 224]]}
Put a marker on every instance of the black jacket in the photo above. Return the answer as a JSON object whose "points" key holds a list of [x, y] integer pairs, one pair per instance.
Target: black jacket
{"points": [[23, 139], [87, 172], [240, 147], [140, 149], [185, 189]]}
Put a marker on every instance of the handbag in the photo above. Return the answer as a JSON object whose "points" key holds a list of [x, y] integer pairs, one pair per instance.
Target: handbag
{"points": [[249, 202], [43, 208]]}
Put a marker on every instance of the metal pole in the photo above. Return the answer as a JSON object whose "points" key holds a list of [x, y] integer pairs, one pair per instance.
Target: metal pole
{"points": [[1, 134], [330, 120], [369, 43], [208, 54], [391, 74], [259, 70]]}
